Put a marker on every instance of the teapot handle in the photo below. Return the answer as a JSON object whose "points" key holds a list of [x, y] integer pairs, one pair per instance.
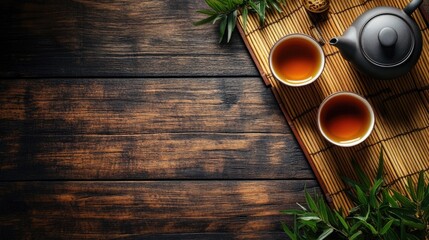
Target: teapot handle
{"points": [[412, 6]]}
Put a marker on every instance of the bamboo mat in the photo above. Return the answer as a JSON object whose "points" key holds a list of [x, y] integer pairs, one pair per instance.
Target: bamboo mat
{"points": [[401, 105]]}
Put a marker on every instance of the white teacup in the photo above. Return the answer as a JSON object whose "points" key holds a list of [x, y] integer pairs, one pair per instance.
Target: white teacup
{"points": [[345, 119], [296, 60]]}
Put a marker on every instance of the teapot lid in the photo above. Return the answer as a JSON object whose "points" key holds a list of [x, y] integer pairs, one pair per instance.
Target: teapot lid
{"points": [[387, 40]]}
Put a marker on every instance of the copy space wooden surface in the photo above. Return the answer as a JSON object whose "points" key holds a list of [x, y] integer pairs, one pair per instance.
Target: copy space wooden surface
{"points": [[114, 38], [122, 120]]}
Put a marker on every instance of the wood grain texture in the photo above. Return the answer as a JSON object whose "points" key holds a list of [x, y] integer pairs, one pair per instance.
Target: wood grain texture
{"points": [[153, 156], [195, 128], [120, 38], [149, 210], [136, 106]]}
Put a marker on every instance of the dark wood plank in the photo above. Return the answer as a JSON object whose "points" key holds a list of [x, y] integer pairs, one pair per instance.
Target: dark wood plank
{"points": [[114, 38], [135, 106], [153, 156], [144, 129], [215, 236], [153, 210], [424, 9]]}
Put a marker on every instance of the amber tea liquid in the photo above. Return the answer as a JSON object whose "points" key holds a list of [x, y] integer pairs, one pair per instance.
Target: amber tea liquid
{"points": [[296, 60], [345, 119]]}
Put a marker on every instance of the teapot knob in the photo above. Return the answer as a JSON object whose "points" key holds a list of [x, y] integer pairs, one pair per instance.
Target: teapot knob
{"points": [[387, 37]]}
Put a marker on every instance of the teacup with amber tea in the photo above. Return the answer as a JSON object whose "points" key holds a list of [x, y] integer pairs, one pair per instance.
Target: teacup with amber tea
{"points": [[296, 60], [345, 119]]}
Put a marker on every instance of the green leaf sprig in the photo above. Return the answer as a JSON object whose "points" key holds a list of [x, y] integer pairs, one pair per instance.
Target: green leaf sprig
{"points": [[226, 12], [379, 212]]}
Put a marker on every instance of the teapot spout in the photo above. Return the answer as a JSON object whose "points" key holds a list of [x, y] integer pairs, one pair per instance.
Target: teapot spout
{"points": [[346, 45], [334, 41]]}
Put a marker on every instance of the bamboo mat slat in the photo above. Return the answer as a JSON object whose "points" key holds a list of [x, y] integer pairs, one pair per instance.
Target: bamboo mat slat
{"points": [[401, 105]]}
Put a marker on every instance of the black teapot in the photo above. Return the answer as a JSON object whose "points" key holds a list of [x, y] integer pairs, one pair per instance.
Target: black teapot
{"points": [[384, 42]]}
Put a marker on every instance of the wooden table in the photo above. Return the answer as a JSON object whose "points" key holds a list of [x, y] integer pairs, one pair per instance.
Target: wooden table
{"points": [[120, 119]]}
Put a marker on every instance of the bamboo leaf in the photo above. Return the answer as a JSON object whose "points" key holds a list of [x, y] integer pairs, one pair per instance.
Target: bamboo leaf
{"points": [[214, 4], [364, 181], [425, 201], [391, 235], [412, 237], [205, 20], [310, 202], [295, 225], [374, 191], [355, 235], [221, 9], [401, 212], [411, 188], [414, 223], [325, 233], [355, 226], [262, 6], [222, 27], [323, 210], [276, 6], [403, 200], [219, 17], [292, 212], [302, 207], [228, 3], [349, 181], [380, 165], [311, 224], [207, 12], [420, 187], [354, 209], [332, 219], [309, 218], [342, 221], [232, 20], [386, 227], [244, 16], [408, 218], [361, 196], [427, 189], [290, 234], [370, 227], [378, 220], [365, 217], [254, 7], [349, 192], [389, 199]]}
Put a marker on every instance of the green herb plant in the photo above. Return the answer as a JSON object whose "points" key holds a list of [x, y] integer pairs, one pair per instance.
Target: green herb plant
{"points": [[226, 12], [379, 213]]}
